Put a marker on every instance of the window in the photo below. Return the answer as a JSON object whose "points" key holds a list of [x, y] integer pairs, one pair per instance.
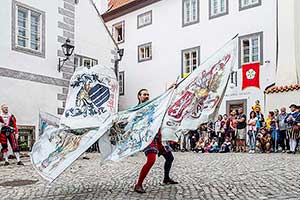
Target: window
{"points": [[84, 61], [251, 48], [233, 78], [28, 32], [118, 32], [217, 8], [145, 52], [144, 19], [190, 60], [245, 4], [121, 83], [190, 12], [235, 105], [26, 137]]}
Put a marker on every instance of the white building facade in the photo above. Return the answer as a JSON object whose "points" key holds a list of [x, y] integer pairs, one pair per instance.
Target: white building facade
{"points": [[164, 39], [30, 45]]}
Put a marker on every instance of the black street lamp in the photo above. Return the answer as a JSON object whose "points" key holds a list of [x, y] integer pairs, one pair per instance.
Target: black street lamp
{"points": [[120, 53], [67, 49]]}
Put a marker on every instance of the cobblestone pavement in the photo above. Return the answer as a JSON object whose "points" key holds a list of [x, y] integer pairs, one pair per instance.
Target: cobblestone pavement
{"points": [[201, 176]]}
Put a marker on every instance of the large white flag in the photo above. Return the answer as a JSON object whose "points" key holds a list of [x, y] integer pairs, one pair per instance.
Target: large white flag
{"points": [[198, 97], [92, 97], [91, 104], [134, 129]]}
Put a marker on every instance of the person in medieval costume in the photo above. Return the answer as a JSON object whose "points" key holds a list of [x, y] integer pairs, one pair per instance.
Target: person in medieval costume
{"points": [[9, 134], [293, 122], [156, 147]]}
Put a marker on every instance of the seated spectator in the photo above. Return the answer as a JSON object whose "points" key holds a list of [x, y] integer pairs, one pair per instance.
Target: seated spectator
{"points": [[263, 140], [214, 148], [226, 146], [207, 146], [200, 145]]}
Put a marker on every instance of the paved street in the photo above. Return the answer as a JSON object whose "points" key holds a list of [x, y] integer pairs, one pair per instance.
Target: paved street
{"points": [[201, 176]]}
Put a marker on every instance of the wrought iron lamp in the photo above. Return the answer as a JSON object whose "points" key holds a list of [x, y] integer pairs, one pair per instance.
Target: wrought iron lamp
{"points": [[120, 53], [67, 49]]}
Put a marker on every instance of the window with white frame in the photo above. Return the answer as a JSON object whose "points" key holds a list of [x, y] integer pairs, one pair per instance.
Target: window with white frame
{"points": [[84, 61], [190, 12], [217, 8], [245, 4], [190, 60], [144, 19], [251, 48], [118, 32], [145, 52], [28, 29], [121, 83]]}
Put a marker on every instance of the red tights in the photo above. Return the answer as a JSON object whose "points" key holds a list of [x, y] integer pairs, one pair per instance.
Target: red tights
{"points": [[151, 157]]}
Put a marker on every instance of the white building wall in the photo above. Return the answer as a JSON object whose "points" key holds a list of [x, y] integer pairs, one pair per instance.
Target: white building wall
{"points": [[287, 44], [31, 83], [275, 100], [91, 36], [168, 38], [23, 97], [24, 62], [26, 98]]}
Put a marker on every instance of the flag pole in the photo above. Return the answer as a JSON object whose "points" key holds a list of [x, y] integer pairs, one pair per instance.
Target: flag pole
{"points": [[169, 103]]}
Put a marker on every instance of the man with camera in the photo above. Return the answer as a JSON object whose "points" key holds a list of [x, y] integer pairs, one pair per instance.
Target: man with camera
{"points": [[9, 133]]}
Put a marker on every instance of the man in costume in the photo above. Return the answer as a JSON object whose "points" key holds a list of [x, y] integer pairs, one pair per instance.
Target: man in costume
{"points": [[9, 133], [156, 147], [293, 124]]}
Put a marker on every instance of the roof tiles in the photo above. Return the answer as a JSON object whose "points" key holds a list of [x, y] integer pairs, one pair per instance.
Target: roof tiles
{"points": [[113, 4], [285, 88]]}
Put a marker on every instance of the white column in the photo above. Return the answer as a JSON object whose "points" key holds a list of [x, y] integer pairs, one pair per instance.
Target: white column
{"points": [[297, 37], [287, 44]]}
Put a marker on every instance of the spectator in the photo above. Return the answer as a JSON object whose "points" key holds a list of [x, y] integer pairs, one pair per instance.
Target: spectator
{"points": [[214, 147], [226, 126], [257, 106], [200, 145], [273, 130], [232, 126], [218, 129], [241, 131], [203, 130], [184, 140], [263, 140], [193, 138], [292, 127], [276, 113], [211, 129], [260, 119], [207, 146], [252, 131], [283, 138], [225, 146]]}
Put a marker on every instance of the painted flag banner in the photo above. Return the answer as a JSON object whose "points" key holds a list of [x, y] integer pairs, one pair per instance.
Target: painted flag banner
{"points": [[197, 98], [58, 148], [134, 129], [47, 120], [92, 97], [91, 103]]}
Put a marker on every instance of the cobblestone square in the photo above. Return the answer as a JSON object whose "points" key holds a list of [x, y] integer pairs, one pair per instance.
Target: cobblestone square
{"points": [[201, 176]]}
